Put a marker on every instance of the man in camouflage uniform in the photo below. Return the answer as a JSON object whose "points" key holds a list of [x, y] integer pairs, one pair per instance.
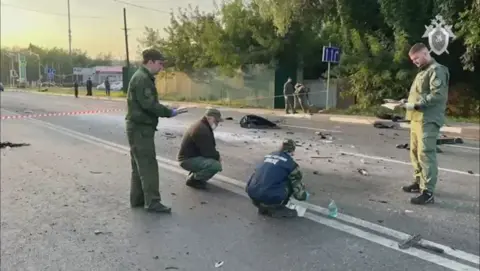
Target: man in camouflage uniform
{"points": [[275, 180], [288, 93], [301, 96], [143, 111], [425, 107]]}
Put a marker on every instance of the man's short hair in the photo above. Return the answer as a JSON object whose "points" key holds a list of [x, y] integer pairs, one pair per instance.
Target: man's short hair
{"points": [[417, 47], [151, 54]]}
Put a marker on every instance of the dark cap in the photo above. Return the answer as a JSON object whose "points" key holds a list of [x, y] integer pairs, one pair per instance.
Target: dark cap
{"points": [[213, 112], [152, 54], [288, 145]]}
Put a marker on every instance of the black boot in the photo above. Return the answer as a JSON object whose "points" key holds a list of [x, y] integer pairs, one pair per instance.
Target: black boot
{"points": [[158, 207], [193, 183], [425, 198], [413, 188]]}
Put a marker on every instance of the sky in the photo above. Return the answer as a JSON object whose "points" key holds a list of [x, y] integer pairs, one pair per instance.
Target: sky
{"points": [[96, 24]]}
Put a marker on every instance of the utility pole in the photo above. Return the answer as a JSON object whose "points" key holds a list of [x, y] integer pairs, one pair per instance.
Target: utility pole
{"points": [[125, 29], [69, 32]]}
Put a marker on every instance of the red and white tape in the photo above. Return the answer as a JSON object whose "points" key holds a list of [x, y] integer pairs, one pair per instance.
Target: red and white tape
{"points": [[89, 112]]}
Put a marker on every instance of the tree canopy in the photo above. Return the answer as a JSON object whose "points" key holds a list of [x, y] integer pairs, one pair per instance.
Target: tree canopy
{"points": [[374, 37]]}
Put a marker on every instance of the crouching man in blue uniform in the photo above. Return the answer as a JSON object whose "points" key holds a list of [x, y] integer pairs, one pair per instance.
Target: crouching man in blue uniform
{"points": [[275, 180]]}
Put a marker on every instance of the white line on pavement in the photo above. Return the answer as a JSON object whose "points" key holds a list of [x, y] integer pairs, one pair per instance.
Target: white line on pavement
{"points": [[406, 163], [434, 258]]}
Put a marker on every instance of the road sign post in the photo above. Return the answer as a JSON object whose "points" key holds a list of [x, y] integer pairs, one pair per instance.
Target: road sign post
{"points": [[330, 55]]}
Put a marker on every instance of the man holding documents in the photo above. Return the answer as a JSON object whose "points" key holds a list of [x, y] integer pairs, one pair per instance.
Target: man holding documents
{"points": [[143, 111], [275, 180], [425, 106]]}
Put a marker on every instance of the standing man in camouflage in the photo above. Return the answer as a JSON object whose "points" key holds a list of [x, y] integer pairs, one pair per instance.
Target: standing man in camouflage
{"points": [[425, 107], [198, 153], [275, 180], [143, 111], [288, 93], [301, 95]]}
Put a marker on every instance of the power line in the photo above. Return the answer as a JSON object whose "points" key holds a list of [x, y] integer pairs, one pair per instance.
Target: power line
{"points": [[48, 13], [141, 7]]}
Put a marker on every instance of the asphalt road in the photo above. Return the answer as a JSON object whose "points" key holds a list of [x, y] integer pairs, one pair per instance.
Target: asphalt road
{"points": [[74, 179]]}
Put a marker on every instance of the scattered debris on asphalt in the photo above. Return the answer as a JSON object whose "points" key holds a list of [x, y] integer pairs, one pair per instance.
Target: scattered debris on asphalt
{"points": [[362, 171], [228, 118], [219, 264], [97, 232], [290, 133], [155, 257], [408, 211], [12, 145], [171, 268], [380, 201], [256, 122], [169, 135], [403, 146], [95, 172], [385, 125], [470, 172], [414, 241], [316, 172]]}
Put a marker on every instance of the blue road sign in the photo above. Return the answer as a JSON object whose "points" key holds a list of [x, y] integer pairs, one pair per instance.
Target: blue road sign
{"points": [[331, 54], [51, 73]]}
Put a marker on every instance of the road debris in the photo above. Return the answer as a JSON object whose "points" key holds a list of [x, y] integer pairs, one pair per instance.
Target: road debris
{"points": [[403, 146], [169, 135], [171, 268], [376, 200], [228, 118], [470, 172], [362, 171], [256, 122], [385, 125], [12, 145], [219, 264], [415, 241]]}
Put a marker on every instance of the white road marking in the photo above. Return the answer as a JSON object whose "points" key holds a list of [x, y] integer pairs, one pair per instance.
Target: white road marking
{"points": [[433, 258], [406, 163]]}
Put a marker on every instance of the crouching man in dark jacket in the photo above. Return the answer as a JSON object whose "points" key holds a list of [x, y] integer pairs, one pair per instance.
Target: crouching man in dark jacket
{"points": [[275, 180], [198, 153]]}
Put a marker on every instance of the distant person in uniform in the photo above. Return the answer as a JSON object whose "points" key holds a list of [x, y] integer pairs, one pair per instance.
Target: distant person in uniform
{"points": [[75, 88], [198, 153], [425, 106], [107, 87], [288, 93], [89, 86], [275, 180], [301, 96], [143, 111]]}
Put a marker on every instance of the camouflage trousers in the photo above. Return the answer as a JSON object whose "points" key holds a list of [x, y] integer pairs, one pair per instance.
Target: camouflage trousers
{"points": [[289, 103], [302, 102], [144, 189], [423, 153], [201, 168]]}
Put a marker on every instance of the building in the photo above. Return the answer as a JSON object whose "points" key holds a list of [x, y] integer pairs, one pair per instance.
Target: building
{"points": [[98, 74]]}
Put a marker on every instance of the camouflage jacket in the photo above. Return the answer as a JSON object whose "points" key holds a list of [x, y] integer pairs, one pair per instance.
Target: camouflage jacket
{"points": [[142, 100], [429, 93], [295, 185]]}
